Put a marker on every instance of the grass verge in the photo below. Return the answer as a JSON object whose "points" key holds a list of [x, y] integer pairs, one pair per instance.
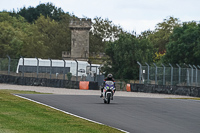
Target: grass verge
{"points": [[196, 98], [18, 115]]}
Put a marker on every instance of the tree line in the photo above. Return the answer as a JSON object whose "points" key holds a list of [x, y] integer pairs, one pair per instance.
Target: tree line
{"points": [[43, 31]]}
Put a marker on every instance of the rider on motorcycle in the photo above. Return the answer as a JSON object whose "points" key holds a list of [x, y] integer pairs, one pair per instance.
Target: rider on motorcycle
{"points": [[108, 78]]}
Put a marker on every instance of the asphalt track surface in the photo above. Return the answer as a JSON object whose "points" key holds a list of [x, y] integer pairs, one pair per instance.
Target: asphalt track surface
{"points": [[131, 114]]}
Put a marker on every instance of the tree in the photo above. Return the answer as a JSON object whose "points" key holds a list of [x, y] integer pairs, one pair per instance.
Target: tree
{"points": [[184, 45], [101, 32], [56, 35], [160, 36], [11, 35], [124, 54], [34, 43], [96, 44], [105, 29], [31, 14]]}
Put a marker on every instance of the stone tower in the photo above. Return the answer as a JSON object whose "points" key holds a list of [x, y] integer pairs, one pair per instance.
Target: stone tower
{"points": [[80, 38]]}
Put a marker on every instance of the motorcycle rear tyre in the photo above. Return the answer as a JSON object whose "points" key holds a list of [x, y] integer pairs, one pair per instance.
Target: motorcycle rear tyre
{"points": [[108, 99], [105, 101]]}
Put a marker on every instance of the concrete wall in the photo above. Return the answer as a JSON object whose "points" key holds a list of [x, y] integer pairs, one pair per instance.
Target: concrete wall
{"points": [[164, 89], [31, 81]]}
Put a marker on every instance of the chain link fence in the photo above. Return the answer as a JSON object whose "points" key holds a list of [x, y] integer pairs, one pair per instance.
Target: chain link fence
{"points": [[47, 70], [169, 75], [8, 66]]}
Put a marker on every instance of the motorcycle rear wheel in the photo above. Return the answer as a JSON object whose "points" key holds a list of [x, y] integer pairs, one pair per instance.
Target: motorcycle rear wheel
{"points": [[108, 99], [104, 101]]}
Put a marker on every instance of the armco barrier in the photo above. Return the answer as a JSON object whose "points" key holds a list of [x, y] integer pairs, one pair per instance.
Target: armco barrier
{"points": [[149, 88], [136, 87], [20, 81], [162, 89], [53, 83], [93, 85], [189, 91], [4, 78], [71, 84], [84, 85], [31, 81]]}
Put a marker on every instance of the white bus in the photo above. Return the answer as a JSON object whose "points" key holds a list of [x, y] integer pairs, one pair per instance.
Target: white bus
{"points": [[30, 66]]}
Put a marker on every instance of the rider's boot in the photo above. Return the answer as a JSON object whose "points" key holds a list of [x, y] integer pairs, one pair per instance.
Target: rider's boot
{"points": [[101, 95]]}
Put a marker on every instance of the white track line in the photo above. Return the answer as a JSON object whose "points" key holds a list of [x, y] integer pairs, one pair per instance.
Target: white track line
{"points": [[68, 112]]}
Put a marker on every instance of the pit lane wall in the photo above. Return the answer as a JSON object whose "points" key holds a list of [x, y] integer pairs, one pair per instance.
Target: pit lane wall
{"points": [[164, 89], [60, 83]]}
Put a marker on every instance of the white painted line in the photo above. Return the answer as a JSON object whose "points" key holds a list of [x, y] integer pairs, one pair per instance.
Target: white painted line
{"points": [[68, 112]]}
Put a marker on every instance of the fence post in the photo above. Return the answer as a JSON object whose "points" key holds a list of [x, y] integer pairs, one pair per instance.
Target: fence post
{"points": [[187, 75], [179, 73], [50, 67], [96, 75], [140, 71], [155, 73], [37, 66], [196, 75], [171, 74], [76, 70], [147, 72], [191, 74], [163, 74], [64, 70], [90, 64], [8, 64], [23, 66], [99, 69], [197, 72], [0, 64]]}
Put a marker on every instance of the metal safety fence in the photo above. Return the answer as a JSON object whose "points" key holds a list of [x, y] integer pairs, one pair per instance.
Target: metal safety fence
{"points": [[14, 67], [10, 66], [169, 75]]}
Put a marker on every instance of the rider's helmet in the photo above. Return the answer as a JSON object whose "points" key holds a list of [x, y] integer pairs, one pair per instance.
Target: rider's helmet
{"points": [[109, 75]]}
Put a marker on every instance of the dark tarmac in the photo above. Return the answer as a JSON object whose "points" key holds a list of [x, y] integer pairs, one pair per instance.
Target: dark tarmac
{"points": [[131, 114]]}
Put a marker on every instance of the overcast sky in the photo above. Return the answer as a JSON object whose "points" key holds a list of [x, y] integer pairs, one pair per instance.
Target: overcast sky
{"points": [[131, 15]]}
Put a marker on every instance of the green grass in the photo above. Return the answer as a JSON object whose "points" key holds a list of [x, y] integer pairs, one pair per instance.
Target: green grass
{"points": [[18, 115], [196, 98]]}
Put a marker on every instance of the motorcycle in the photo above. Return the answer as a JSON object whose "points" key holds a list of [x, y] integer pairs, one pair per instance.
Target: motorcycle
{"points": [[108, 91]]}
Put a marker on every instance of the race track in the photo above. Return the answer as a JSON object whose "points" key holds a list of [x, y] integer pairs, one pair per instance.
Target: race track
{"points": [[131, 114]]}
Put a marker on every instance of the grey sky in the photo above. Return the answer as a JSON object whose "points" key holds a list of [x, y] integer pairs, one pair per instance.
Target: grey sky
{"points": [[131, 15]]}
